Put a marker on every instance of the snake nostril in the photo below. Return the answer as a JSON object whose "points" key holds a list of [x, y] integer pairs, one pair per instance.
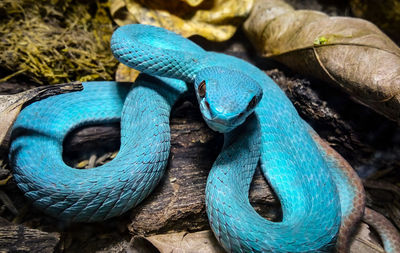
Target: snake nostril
{"points": [[207, 106]]}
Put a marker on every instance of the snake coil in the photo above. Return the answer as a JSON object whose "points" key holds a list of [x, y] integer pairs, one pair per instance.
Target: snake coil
{"points": [[316, 195]]}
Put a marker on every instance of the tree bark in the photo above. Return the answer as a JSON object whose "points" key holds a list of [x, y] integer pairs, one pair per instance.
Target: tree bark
{"points": [[18, 238]]}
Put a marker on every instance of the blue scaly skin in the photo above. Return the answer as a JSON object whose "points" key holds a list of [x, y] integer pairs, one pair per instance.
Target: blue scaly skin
{"points": [[290, 158], [228, 89], [157, 51], [109, 190]]}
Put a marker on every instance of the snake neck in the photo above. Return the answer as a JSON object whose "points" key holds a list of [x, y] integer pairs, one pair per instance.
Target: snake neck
{"points": [[172, 89], [157, 51]]}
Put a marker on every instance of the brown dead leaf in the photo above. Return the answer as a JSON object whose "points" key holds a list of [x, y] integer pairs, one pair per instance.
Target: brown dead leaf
{"points": [[183, 242], [215, 20], [205, 242], [349, 52]]}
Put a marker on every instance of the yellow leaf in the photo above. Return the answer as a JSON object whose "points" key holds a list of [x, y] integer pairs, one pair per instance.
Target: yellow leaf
{"points": [[126, 74], [215, 20]]}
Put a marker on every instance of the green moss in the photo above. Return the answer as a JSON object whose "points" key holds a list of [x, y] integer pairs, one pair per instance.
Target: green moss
{"points": [[56, 41]]}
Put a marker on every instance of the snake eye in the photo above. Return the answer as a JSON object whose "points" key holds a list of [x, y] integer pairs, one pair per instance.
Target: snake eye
{"points": [[252, 103], [202, 89]]}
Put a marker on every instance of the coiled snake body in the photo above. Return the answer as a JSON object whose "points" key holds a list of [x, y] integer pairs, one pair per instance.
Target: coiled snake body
{"points": [[305, 174]]}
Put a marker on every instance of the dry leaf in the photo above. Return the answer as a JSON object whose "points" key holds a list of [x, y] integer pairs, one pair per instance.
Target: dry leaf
{"points": [[349, 52], [205, 242], [126, 74], [215, 20], [183, 242]]}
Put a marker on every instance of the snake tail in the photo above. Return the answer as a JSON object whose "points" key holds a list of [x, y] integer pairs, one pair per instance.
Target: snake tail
{"points": [[351, 191], [115, 187], [352, 199], [390, 236]]}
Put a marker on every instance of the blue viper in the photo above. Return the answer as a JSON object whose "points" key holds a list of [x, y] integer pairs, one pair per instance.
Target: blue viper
{"points": [[316, 195]]}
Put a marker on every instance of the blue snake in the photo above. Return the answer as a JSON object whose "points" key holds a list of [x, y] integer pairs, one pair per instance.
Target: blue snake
{"points": [[260, 124]]}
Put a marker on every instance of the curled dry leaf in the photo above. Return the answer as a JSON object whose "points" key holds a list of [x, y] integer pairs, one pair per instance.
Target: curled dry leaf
{"points": [[349, 52], [203, 241], [215, 20]]}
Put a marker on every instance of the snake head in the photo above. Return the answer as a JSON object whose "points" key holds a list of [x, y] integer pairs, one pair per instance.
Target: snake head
{"points": [[226, 97]]}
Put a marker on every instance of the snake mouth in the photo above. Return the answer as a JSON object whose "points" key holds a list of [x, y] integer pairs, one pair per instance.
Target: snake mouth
{"points": [[214, 122], [219, 125]]}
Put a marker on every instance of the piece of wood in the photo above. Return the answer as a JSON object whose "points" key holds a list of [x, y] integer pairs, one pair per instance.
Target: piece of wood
{"points": [[11, 105], [178, 202], [18, 238]]}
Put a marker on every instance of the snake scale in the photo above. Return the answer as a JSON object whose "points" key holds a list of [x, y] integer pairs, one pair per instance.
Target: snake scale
{"points": [[321, 197]]}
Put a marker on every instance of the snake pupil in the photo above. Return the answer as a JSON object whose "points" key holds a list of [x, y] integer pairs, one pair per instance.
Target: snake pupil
{"points": [[202, 89]]}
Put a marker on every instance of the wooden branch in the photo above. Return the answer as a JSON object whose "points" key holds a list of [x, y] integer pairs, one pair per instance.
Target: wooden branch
{"points": [[18, 238], [11, 105]]}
